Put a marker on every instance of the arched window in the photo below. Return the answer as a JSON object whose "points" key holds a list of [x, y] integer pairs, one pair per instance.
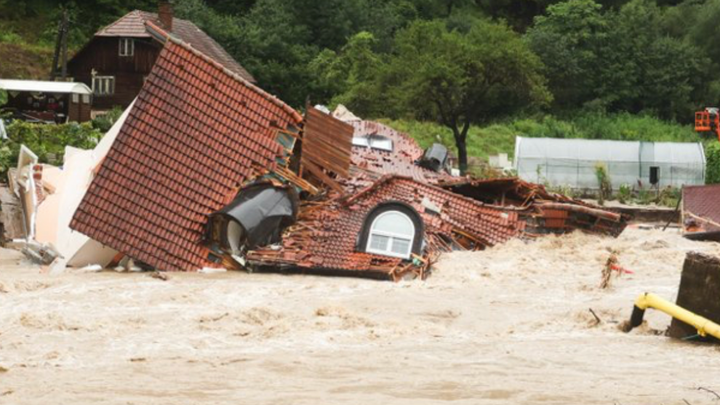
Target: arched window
{"points": [[392, 233]]}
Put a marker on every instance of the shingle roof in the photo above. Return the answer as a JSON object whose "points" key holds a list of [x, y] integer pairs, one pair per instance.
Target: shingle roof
{"points": [[133, 24], [701, 208], [401, 161], [327, 234], [195, 134]]}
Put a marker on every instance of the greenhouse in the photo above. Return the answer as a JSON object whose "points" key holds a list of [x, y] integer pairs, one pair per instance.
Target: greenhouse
{"points": [[572, 162]]}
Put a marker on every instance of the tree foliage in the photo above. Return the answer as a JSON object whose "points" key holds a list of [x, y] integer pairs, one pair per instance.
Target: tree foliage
{"points": [[451, 61], [46, 141], [618, 60], [441, 74]]}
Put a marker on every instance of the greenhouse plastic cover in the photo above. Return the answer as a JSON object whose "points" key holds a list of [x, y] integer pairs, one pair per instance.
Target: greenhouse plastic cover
{"points": [[572, 162]]}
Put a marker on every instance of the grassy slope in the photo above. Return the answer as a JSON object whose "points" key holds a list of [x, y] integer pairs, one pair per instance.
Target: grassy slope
{"points": [[500, 137], [25, 50], [22, 61]]}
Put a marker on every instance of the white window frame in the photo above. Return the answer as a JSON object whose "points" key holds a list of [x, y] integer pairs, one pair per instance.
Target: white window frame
{"points": [[103, 85], [380, 142], [126, 47], [391, 235], [360, 141]]}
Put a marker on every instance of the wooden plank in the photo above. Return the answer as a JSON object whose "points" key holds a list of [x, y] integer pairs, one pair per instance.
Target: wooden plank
{"points": [[11, 216], [317, 172], [327, 142]]}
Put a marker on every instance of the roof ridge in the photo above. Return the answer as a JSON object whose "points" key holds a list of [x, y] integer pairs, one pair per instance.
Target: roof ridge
{"points": [[114, 23], [387, 178], [273, 99]]}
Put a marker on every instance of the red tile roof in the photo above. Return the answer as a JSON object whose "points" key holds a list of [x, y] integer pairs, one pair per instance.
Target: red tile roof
{"points": [[327, 232], [701, 208], [401, 161], [195, 134], [133, 24]]}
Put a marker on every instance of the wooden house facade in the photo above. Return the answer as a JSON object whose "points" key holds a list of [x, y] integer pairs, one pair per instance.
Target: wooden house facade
{"points": [[116, 62]]}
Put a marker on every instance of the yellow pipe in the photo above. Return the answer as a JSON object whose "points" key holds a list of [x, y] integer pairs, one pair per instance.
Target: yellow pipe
{"points": [[703, 325]]}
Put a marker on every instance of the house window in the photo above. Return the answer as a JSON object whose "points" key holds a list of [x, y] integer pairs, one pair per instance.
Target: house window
{"points": [[391, 234], [104, 85], [127, 47]]}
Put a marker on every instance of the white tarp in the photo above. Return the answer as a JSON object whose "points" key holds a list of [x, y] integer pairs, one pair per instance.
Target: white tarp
{"points": [[58, 208], [571, 162]]}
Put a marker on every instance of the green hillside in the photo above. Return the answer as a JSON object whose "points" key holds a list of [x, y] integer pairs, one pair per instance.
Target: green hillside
{"points": [[473, 73]]}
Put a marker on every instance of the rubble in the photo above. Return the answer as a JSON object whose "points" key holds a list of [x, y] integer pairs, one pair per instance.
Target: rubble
{"points": [[207, 172], [194, 137]]}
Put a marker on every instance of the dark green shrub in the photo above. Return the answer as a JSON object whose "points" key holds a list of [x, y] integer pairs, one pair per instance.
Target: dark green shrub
{"points": [[104, 122], [48, 142], [712, 162]]}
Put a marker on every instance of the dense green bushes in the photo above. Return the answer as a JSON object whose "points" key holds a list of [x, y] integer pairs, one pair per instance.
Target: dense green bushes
{"points": [[712, 164], [46, 141]]}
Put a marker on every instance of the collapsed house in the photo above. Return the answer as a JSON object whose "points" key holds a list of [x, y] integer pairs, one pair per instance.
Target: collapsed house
{"points": [[208, 170], [195, 136]]}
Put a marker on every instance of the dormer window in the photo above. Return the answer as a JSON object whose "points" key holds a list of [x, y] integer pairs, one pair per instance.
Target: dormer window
{"points": [[391, 234], [127, 47], [392, 229]]}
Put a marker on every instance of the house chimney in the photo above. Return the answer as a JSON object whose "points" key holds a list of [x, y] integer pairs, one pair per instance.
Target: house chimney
{"points": [[165, 14]]}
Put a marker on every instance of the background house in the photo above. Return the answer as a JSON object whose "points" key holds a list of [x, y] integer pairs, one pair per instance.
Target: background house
{"points": [[116, 62]]}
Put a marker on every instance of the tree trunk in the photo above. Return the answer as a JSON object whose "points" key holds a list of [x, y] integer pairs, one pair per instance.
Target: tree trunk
{"points": [[462, 155], [460, 138]]}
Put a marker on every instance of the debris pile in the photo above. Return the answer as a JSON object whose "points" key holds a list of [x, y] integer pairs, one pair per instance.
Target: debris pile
{"points": [[207, 171]]}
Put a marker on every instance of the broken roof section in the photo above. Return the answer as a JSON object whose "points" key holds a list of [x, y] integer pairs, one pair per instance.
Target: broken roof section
{"points": [[399, 159], [331, 235], [134, 25], [545, 212], [326, 142], [701, 212], [196, 134]]}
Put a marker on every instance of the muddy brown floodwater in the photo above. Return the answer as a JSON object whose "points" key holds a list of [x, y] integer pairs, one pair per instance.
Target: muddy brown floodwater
{"points": [[507, 325]]}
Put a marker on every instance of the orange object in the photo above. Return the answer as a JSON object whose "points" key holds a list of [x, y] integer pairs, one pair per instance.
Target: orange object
{"points": [[708, 121]]}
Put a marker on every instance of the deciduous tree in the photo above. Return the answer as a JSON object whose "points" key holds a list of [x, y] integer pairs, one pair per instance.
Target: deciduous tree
{"points": [[459, 79]]}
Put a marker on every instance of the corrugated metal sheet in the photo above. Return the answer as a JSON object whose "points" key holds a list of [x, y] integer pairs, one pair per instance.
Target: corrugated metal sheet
{"points": [[327, 142]]}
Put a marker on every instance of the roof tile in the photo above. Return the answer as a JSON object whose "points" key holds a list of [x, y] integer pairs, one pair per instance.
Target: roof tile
{"points": [[133, 24], [161, 178]]}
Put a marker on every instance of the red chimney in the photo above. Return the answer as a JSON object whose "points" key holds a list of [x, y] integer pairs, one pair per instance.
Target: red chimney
{"points": [[165, 14]]}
